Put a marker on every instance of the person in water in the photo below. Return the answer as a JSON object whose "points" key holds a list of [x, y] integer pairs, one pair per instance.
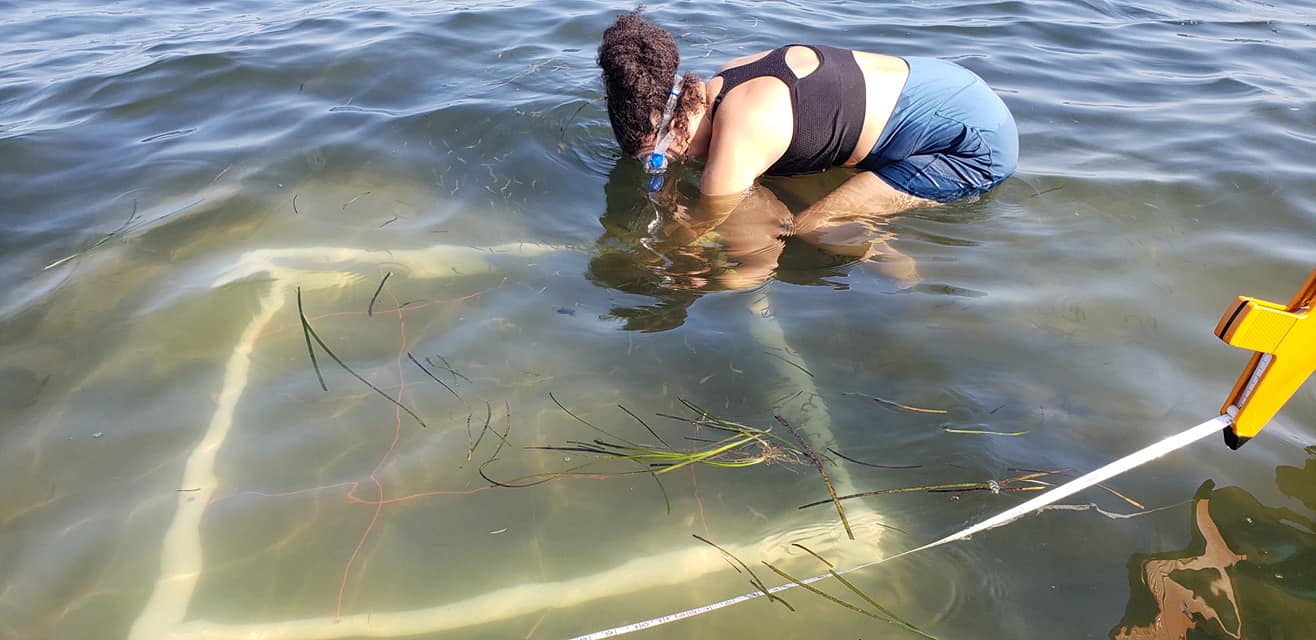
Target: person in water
{"points": [[920, 131]]}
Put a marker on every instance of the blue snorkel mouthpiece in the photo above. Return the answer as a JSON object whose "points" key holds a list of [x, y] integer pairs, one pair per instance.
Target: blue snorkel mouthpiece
{"points": [[657, 162], [656, 167]]}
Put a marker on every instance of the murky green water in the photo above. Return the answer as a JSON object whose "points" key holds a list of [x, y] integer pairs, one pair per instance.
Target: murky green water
{"points": [[172, 467]]}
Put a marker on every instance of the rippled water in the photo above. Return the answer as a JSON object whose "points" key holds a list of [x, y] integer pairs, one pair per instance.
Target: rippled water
{"points": [[436, 186]]}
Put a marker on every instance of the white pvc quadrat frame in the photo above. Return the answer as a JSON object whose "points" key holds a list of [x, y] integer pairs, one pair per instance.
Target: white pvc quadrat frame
{"points": [[182, 558]]}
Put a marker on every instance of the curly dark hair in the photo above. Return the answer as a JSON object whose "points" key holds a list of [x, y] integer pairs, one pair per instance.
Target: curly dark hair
{"points": [[639, 61]]}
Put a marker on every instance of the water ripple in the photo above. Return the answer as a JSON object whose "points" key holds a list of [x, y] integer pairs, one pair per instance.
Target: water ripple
{"points": [[151, 149]]}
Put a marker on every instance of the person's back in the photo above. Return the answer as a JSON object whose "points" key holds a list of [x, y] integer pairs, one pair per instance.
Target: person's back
{"points": [[827, 106]]}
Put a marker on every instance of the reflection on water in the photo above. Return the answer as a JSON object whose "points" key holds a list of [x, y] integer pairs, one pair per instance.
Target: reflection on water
{"points": [[1249, 571], [638, 254]]}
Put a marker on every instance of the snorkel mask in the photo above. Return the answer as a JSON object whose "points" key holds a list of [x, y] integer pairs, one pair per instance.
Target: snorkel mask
{"points": [[655, 162]]}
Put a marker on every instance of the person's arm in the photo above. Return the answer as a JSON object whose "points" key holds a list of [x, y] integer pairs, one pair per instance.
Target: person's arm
{"points": [[754, 236], [739, 152], [750, 227]]}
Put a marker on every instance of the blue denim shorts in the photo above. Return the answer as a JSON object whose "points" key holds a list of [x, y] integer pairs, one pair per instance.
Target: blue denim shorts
{"points": [[949, 136]]}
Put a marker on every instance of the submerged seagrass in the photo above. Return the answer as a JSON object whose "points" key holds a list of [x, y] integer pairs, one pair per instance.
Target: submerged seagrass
{"points": [[440, 183]]}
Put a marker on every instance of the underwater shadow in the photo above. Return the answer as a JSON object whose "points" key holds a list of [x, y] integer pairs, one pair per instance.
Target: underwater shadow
{"points": [[1246, 573]]}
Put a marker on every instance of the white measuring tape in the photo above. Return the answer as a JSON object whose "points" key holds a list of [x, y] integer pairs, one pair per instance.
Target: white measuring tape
{"points": [[1131, 461]]}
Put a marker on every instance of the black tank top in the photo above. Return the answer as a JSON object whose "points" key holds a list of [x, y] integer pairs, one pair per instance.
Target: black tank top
{"points": [[828, 105]]}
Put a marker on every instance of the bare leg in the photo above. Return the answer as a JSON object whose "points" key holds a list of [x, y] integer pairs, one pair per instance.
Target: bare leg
{"points": [[867, 242], [864, 195], [847, 222]]}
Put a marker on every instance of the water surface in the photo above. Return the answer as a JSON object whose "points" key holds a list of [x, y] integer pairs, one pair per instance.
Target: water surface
{"points": [[175, 177]]}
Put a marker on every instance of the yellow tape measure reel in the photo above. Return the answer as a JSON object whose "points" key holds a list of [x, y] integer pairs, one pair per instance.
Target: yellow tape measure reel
{"points": [[1284, 339]]}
